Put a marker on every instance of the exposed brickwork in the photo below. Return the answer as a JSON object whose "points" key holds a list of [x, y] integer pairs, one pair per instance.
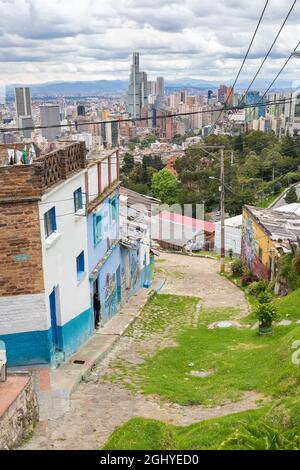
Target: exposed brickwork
{"points": [[20, 235], [21, 182], [21, 187]]}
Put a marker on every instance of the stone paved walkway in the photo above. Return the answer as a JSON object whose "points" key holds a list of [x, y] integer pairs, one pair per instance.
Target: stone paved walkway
{"points": [[98, 406]]}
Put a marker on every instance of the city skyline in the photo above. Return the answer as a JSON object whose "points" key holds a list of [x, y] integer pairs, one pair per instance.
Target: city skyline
{"points": [[176, 39]]}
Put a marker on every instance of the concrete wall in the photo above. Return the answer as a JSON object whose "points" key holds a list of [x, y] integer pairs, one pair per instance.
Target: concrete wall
{"points": [[24, 327], [18, 410], [233, 239]]}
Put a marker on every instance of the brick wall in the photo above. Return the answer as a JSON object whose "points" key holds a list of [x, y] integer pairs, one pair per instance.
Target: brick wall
{"points": [[21, 269], [20, 182]]}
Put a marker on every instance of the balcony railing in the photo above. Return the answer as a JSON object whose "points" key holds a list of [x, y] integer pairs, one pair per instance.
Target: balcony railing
{"points": [[102, 175]]}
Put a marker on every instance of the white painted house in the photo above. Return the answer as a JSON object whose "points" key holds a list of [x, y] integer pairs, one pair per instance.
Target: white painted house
{"points": [[233, 235], [63, 226]]}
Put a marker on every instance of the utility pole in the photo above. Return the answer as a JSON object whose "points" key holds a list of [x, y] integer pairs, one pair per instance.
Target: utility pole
{"points": [[222, 208], [222, 199]]}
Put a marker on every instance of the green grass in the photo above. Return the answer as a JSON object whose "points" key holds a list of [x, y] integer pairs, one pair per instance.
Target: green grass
{"points": [[162, 311], [265, 203], [148, 434], [241, 361], [289, 306]]}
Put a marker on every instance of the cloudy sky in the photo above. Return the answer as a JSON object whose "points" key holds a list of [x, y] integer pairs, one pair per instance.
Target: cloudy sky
{"points": [[49, 40]]}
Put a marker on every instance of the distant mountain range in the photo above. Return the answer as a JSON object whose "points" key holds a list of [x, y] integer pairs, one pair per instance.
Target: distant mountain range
{"points": [[120, 86]]}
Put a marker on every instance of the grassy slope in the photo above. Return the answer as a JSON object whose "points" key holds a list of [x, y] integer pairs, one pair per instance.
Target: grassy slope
{"points": [[241, 360], [148, 434], [289, 306]]}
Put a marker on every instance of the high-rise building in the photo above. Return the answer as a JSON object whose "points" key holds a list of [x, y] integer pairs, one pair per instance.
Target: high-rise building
{"points": [[137, 95], [222, 91], [23, 101], [50, 117], [151, 86], [81, 110], [209, 94], [229, 95], [160, 86], [25, 122]]}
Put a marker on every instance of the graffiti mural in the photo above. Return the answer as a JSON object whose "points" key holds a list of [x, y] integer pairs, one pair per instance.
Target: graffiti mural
{"points": [[134, 270], [249, 251], [111, 301]]}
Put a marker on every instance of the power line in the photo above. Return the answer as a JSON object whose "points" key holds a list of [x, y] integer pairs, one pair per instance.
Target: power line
{"points": [[269, 51], [242, 65], [162, 117], [278, 74]]}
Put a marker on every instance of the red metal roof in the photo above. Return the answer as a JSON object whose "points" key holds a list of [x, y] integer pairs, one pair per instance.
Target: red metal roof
{"points": [[188, 221]]}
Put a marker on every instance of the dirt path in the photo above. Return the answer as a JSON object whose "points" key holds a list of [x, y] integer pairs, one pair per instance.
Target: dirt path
{"points": [[99, 406], [187, 275]]}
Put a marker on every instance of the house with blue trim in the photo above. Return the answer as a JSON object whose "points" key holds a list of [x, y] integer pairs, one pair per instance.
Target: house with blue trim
{"points": [[45, 308], [61, 242], [103, 232]]}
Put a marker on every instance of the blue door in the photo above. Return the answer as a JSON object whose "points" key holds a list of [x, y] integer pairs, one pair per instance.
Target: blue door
{"points": [[52, 301]]}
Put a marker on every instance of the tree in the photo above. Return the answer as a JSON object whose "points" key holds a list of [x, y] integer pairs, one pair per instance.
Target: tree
{"points": [[165, 187], [128, 163], [256, 140], [291, 196]]}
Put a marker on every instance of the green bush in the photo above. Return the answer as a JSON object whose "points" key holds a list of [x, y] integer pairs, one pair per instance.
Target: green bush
{"points": [[237, 267], [290, 269], [257, 288], [248, 278], [266, 313]]}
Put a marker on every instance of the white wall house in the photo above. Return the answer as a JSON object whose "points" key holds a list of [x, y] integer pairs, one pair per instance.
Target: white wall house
{"points": [[233, 235], [63, 226]]}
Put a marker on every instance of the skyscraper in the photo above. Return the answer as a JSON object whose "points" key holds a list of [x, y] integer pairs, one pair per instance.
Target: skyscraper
{"points": [[137, 95], [25, 122], [50, 117], [160, 86], [23, 101]]}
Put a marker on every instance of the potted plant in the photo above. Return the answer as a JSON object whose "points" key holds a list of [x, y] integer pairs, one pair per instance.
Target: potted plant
{"points": [[266, 312]]}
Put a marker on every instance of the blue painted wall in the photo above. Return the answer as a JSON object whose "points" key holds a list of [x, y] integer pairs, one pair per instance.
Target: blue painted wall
{"points": [[108, 284], [72, 334], [110, 232], [34, 347]]}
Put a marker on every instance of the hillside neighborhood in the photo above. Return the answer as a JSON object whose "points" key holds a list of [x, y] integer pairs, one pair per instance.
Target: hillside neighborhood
{"points": [[149, 230]]}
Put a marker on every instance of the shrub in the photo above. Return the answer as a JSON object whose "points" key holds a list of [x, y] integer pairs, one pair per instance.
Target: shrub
{"points": [[248, 278], [296, 263], [257, 287], [237, 267], [266, 313], [230, 253], [265, 297]]}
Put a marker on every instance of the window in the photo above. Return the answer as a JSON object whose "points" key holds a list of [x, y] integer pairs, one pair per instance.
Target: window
{"points": [[98, 227], [113, 210], [78, 199], [260, 253], [80, 265], [50, 222]]}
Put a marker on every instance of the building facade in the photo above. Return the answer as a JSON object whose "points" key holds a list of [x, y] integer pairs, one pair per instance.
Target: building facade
{"points": [[50, 116], [266, 234]]}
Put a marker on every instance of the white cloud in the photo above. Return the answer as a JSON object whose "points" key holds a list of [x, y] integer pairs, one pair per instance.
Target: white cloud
{"points": [[45, 40]]}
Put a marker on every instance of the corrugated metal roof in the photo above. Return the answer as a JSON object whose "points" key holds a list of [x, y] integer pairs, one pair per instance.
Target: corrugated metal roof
{"points": [[280, 225]]}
